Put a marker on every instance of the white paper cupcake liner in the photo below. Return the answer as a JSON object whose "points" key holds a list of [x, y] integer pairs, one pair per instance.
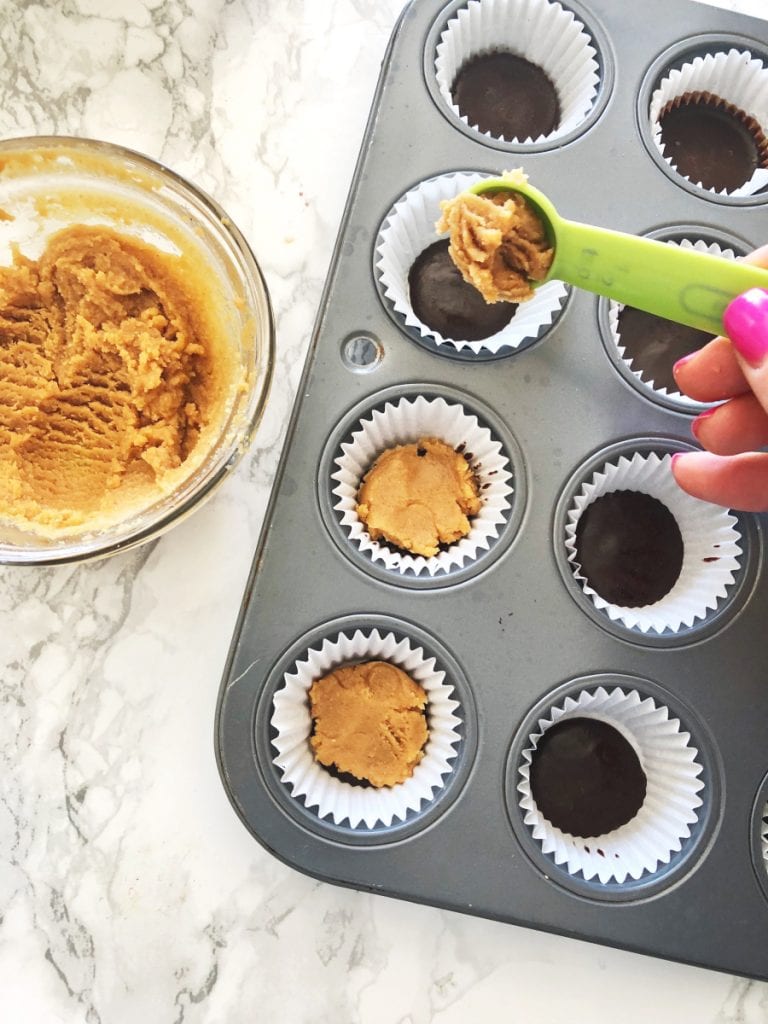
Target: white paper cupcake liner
{"points": [[404, 422], [409, 229], [541, 32], [363, 806], [737, 78], [764, 838], [670, 762], [710, 539], [614, 311]]}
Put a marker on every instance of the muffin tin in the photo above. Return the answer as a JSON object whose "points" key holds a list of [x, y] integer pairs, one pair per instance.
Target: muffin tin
{"points": [[506, 627]]}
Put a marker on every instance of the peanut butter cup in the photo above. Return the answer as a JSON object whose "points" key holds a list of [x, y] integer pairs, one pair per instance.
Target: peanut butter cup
{"points": [[369, 721], [520, 71], [364, 727], [419, 496], [506, 95], [609, 782], [630, 548], [653, 345], [446, 303], [586, 778], [711, 141]]}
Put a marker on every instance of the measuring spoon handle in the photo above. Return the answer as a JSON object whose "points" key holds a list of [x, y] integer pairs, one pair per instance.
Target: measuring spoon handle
{"points": [[685, 285]]}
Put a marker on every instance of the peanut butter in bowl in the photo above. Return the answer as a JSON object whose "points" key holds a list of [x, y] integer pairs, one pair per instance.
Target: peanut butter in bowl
{"points": [[135, 349]]}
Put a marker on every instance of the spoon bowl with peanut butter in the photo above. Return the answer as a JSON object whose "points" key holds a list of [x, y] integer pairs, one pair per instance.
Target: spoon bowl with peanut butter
{"points": [[507, 239]]}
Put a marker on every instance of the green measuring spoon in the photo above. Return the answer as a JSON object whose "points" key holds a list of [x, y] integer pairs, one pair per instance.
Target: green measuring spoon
{"points": [[684, 285]]}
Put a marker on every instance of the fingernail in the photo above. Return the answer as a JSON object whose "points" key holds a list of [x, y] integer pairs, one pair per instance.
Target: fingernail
{"points": [[696, 424], [683, 361], [675, 457], [746, 324]]}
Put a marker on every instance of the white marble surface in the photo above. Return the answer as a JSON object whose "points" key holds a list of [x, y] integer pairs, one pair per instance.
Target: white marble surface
{"points": [[128, 889]]}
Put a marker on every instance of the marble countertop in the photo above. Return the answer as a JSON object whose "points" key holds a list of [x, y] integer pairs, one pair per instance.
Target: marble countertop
{"points": [[129, 891]]}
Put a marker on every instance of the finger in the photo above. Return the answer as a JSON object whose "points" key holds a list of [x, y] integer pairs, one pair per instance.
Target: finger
{"points": [[738, 481], [746, 323], [711, 374], [740, 425], [759, 257]]}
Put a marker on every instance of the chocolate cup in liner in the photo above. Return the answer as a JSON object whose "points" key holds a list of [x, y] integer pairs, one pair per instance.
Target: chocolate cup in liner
{"points": [[409, 228], [543, 33], [362, 806], [737, 78], [614, 311], [669, 762], [404, 422], [710, 539]]}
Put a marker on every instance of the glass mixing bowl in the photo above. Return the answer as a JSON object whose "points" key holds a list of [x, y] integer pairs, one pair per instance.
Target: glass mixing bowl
{"points": [[51, 183]]}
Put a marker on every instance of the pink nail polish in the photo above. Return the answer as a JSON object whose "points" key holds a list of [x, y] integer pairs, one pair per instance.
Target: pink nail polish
{"points": [[696, 424], [746, 324], [683, 361]]}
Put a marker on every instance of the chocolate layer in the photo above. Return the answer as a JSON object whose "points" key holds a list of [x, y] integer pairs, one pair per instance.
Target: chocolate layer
{"points": [[629, 547], [586, 778], [443, 300], [507, 96], [654, 345], [712, 141]]}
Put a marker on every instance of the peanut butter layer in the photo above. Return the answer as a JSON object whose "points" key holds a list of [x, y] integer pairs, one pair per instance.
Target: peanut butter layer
{"points": [[369, 722], [107, 377], [498, 242], [418, 496]]}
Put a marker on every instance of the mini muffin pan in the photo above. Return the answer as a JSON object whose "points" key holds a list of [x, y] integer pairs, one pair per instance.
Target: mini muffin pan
{"points": [[509, 637]]}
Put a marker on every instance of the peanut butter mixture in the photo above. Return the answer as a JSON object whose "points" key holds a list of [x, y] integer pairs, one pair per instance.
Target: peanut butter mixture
{"points": [[498, 242], [109, 376], [418, 496], [369, 722]]}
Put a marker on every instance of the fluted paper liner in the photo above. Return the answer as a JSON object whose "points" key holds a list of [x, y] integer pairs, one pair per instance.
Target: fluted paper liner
{"points": [[363, 806], [614, 311], [736, 77], [404, 422], [409, 228], [710, 538], [658, 830], [542, 32], [764, 837]]}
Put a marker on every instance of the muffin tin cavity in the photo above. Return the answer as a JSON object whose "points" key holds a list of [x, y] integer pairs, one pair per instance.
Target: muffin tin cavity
{"points": [[518, 74], [334, 804], [704, 116], [436, 289], [759, 836], [644, 347], [662, 567], [615, 757], [402, 416]]}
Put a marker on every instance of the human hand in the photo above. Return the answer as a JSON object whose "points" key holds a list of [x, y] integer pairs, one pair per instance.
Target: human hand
{"points": [[731, 472]]}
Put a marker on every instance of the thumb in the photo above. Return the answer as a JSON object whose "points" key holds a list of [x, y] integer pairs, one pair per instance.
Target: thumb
{"points": [[746, 324]]}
